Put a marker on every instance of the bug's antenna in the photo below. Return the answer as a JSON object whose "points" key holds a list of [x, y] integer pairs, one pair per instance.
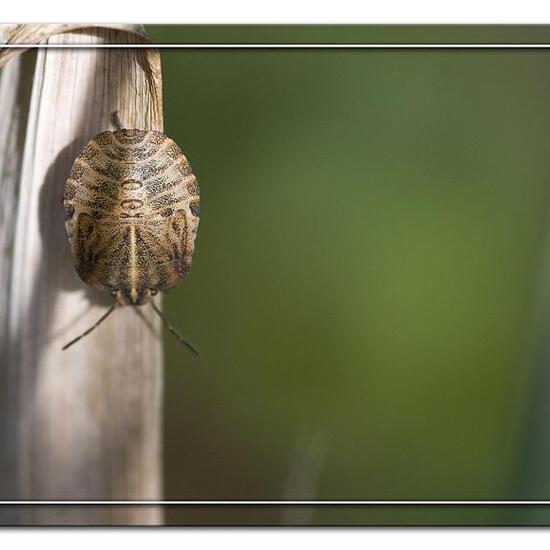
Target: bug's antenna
{"points": [[116, 121], [103, 317], [184, 341]]}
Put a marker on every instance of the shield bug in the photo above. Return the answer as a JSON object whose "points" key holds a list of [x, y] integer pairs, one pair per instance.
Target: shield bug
{"points": [[131, 205]]}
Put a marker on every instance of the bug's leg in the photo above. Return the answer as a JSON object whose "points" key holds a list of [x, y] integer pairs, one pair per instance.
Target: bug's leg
{"points": [[178, 336], [116, 121], [103, 317], [147, 322]]}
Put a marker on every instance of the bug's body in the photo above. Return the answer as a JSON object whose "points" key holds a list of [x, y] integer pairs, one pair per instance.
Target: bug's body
{"points": [[131, 211]]}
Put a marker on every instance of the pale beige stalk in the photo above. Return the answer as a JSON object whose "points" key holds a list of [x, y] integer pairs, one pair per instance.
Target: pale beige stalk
{"points": [[83, 423]]}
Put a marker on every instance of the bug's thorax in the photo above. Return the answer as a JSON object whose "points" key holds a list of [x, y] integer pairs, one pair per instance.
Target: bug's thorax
{"points": [[131, 198]]}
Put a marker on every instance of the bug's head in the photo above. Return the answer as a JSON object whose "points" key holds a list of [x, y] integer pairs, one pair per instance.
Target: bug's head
{"points": [[133, 296]]}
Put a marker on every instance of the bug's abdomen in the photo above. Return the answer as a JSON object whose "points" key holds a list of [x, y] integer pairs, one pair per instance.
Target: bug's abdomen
{"points": [[132, 211]]}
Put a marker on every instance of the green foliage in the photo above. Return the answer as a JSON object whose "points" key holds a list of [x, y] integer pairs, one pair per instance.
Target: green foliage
{"points": [[371, 232]]}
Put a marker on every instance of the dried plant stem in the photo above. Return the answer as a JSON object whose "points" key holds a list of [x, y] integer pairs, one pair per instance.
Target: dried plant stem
{"points": [[84, 423]]}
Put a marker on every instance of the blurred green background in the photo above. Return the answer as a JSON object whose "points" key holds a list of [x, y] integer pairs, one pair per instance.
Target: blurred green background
{"points": [[370, 283]]}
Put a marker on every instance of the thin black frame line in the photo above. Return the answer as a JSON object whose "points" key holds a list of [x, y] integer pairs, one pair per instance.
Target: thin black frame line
{"points": [[275, 502], [290, 46], [278, 502]]}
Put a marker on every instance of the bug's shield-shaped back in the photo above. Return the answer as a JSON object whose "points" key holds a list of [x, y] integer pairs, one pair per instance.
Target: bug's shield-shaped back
{"points": [[177, 227], [154, 257], [85, 243], [132, 212]]}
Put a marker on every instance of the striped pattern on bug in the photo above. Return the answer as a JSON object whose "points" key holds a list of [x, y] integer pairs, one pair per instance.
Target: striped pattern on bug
{"points": [[131, 206]]}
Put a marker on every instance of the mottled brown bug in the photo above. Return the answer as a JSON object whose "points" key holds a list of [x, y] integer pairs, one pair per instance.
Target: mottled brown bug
{"points": [[131, 206]]}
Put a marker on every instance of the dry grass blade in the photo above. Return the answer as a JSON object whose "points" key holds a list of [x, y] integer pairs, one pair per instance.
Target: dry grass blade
{"points": [[32, 34], [83, 423]]}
